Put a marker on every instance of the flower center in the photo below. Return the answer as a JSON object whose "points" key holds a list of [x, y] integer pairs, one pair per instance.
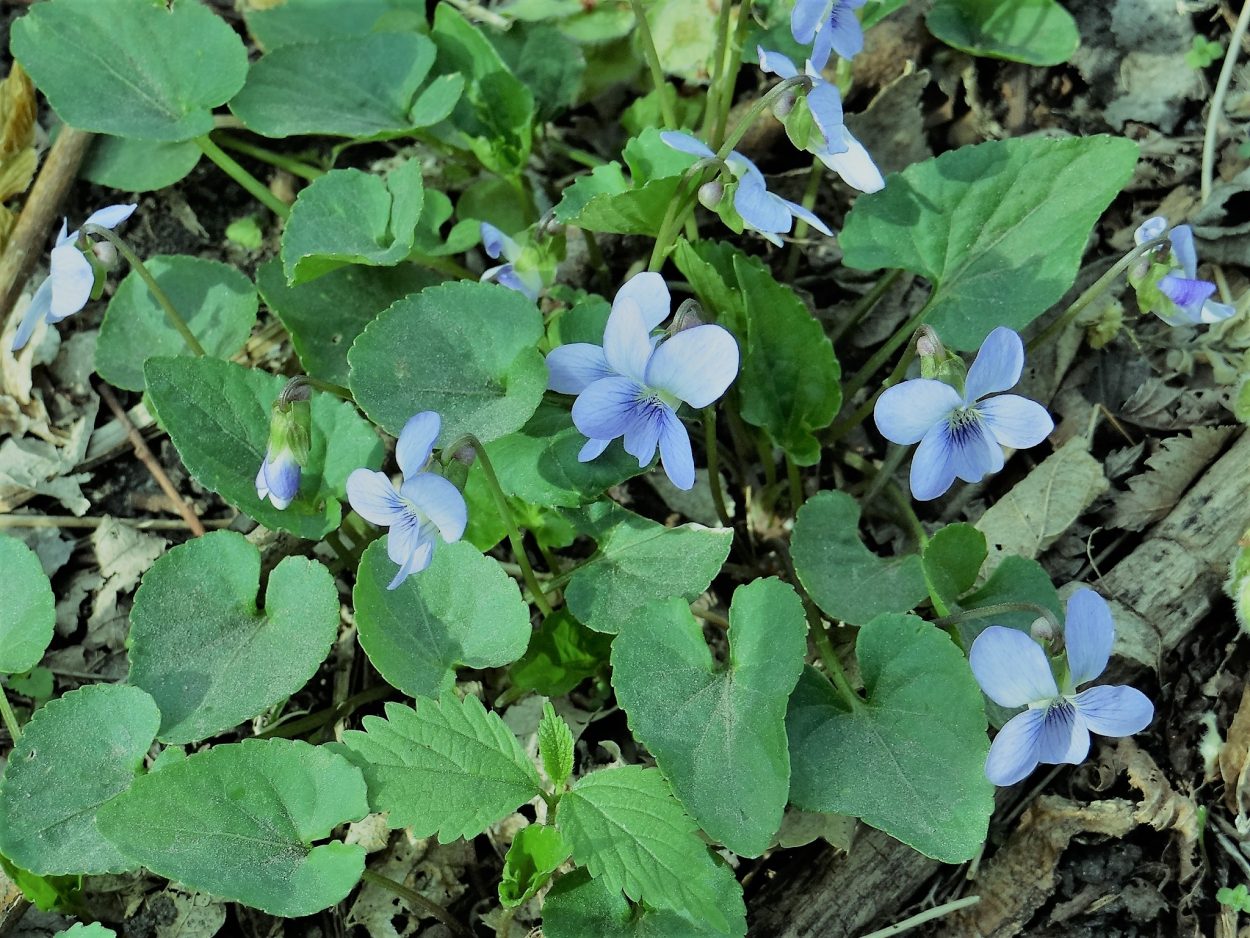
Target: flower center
{"points": [[964, 422], [652, 398]]}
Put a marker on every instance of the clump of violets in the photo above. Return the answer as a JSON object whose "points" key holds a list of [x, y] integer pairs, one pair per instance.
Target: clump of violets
{"points": [[633, 384], [962, 431], [424, 508], [746, 203], [72, 276], [1166, 280], [290, 436], [829, 26], [1014, 671], [815, 124], [497, 244]]}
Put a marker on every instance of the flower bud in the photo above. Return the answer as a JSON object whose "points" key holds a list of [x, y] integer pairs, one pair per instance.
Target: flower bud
{"points": [[931, 351], [686, 317], [105, 253], [1043, 630], [784, 104], [290, 436], [711, 193]]}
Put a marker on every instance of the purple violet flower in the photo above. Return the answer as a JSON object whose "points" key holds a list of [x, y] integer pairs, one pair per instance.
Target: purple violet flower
{"points": [[1179, 298], [632, 386], [1013, 671], [496, 244], [423, 509], [831, 24], [962, 435]]}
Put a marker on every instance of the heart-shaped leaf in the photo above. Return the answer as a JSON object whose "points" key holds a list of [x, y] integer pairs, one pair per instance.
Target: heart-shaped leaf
{"points": [[138, 165], [28, 612], [952, 560], [1036, 32], [297, 21]]}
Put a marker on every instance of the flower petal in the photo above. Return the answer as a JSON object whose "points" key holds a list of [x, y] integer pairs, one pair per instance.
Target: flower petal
{"points": [[775, 63], [907, 411], [974, 452], [1182, 238], [997, 366], [846, 35], [278, 479], [807, 17], [72, 280], [686, 143], [38, 308], [571, 368], [1188, 294], [643, 434], [440, 501], [825, 103], [1011, 668], [1115, 711], [697, 365], [649, 291], [822, 46], [407, 546], [1016, 421], [64, 236], [528, 284], [675, 454], [627, 340], [799, 211], [1088, 634], [932, 469], [496, 243], [1064, 736], [416, 442], [1150, 229], [760, 210], [593, 449], [374, 498], [855, 166], [1013, 754], [1216, 312], [111, 215], [607, 408]]}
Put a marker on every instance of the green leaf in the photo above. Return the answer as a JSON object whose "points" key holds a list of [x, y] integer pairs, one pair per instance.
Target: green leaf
{"points": [[46, 893], [325, 315], [718, 733], [579, 905], [79, 930], [131, 68], [239, 821], [555, 745], [463, 349], [449, 767], [75, 754], [1036, 32], [217, 302], [352, 217], [998, 228], [911, 759], [28, 611], [359, 86], [536, 852], [605, 200], [789, 381], [299, 21], [712, 269], [625, 826], [218, 660], [549, 63], [462, 611], [846, 579], [138, 165], [952, 560], [561, 654], [1015, 580], [638, 561], [217, 414]]}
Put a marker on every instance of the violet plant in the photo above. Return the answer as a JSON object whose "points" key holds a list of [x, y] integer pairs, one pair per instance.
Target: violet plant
{"points": [[526, 559]]}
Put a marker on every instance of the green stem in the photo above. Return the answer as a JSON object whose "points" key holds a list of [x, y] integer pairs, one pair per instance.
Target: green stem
{"points": [[801, 226], [442, 265], [231, 168], [882, 355], [653, 61], [162, 298], [997, 609], [415, 899], [759, 107], [282, 161], [716, 90], [290, 728], [1216, 111], [842, 428], [829, 657], [868, 302], [903, 503], [713, 461], [928, 915], [796, 484], [336, 389], [10, 718], [725, 101]]}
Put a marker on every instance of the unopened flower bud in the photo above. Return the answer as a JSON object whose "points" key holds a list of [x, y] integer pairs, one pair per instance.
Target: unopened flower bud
{"points": [[1043, 630], [105, 253], [931, 351], [784, 104], [686, 317], [711, 193], [465, 454], [290, 437]]}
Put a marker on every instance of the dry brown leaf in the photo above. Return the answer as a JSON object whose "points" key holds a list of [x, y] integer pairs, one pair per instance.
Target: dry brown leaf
{"points": [[1179, 461], [1235, 750], [1162, 807]]}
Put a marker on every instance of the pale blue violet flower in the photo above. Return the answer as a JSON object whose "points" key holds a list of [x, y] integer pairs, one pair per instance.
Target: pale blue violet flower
{"points": [[290, 429], [632, 386], [426, 506], [842, 153], [497, 244], [1167, 283], [1013, 671], [760, 210], [831, 24], [963, 435], [68, 286]]}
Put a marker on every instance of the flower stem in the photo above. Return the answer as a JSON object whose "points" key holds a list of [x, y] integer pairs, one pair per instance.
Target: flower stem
{"points": [[10, 718], [759, 107], [800, 225], [725, 101], [415, 899], [796, 484], [1216, 110], [829, 657], [281, 160], [162, 298], [653, 62], [317, 384], [231, 168], [997, 609], [717, 89], [928, 915], [713, 463], [867, 303], [882, 355], [842, 428]]}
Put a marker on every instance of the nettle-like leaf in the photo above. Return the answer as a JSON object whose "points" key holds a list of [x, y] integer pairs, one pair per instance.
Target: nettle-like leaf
{"points": [[352, 217], [579, 905], [462, 611], [910, 759], [555, 746], [1036, 32], [846, 579], [28, 612], [300, 21], [217, 414], [217, 302], [129, 67], [606, 200], [624, 825], [240, 821], [365, 86], [204, 651], [639, 560], [952, 559], [449, 767], [138, 165], [463, 349], [718, 733], [75, 754], [998, 228], [324, 316], [561, 654], [536, 852]]}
